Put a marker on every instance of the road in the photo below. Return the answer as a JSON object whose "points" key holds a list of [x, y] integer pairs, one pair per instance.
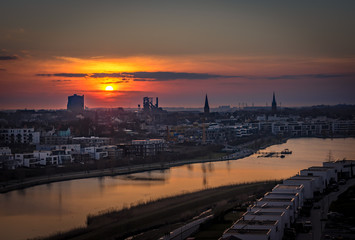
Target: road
{"points": [[318, 214]]}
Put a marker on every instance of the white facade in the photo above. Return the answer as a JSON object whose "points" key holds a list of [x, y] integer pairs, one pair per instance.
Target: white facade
{"points": [[273, 226], [295, 196], [282, 188], [19, 135], [286, 209], [62, 156], [96, 153], [331, 173], [149, 147], [308, 184], [41, 156], [345, 168], [268, 216], [5, 151], [286, 219], [72, 148], [7, 159], [318, 184], [285, 200], [91, 141]]}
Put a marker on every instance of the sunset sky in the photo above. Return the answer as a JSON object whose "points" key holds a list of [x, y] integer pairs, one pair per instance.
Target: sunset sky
{"points": [[235, 51]]}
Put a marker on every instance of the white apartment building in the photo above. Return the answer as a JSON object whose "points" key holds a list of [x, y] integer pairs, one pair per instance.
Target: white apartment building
{"points": [[19, 135], [308, 184], [345, 168], [272, 225], [283, 188], [96, 153]]}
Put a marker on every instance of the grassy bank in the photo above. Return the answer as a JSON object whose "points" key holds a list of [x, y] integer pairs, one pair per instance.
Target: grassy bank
{"points": [[152, 219]]}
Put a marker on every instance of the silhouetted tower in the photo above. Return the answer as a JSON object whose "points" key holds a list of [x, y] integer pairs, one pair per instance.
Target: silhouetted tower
{"points": [[273, 105], [75, 103], [207, 107]]}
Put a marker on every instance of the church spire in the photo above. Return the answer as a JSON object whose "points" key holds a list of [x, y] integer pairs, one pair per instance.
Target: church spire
{"points": [[207, 107], [273, 105]]}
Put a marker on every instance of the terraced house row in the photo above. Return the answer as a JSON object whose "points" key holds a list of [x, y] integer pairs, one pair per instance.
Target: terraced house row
{"points": [[274, 215]]}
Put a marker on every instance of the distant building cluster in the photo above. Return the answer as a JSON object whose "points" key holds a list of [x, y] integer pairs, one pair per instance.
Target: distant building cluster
{"points": [[144, 132], [81, 149], [272, 216]]}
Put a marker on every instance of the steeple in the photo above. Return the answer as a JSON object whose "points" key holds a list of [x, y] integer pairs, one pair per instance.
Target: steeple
{"points": [[273, 105], [207, 107]]}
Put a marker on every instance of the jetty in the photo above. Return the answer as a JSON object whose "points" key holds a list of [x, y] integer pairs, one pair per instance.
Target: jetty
{"points": [[274, 154]]}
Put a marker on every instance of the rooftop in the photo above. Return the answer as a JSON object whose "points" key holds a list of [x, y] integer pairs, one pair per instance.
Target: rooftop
{"points": [[255, 222], [260, 213], [275, 199], [266, 206], [249, 231], [302, 178], [318, 169], [280, 194], [291, 187]]}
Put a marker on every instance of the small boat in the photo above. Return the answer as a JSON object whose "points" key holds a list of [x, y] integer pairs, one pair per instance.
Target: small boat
{"points": [[286, 151]]}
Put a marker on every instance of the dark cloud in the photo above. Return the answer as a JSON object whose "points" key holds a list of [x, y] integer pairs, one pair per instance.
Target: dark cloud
{"points": [[113, 82], [8, 57], [168, 76], [171, 76], [61, 80], [143, 80], [62, 75], [70, 75], [142, 76], [106, 75], [318, 76]]}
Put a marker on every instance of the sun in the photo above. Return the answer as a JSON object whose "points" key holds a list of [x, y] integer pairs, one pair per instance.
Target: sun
{"points": [[109, 88]]}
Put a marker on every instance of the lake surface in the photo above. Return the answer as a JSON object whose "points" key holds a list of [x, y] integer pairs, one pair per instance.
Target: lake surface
{"points": [[46, 209]]}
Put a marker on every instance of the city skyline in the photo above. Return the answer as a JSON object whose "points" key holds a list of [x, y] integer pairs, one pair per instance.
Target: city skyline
{"points": [[117, 52]]}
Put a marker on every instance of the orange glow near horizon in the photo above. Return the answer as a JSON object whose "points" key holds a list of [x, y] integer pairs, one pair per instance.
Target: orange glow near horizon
{"points": [[90, 76]]}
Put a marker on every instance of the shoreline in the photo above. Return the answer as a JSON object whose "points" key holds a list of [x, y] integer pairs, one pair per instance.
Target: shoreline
{"points": [[31, 182], [34, 181]]}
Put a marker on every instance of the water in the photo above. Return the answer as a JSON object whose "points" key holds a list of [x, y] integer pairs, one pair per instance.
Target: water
{"points": [[46, 209]]}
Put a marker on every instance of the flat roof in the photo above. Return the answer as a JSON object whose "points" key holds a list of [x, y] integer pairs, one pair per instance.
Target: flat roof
{"points": [[316, 169], [281, 193], [249, 231], [266, 206], [275, 200], [255, 222], [264, 213], [299, 177], [285, 186]]}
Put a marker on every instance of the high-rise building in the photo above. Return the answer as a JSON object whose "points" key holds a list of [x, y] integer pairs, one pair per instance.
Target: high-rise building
{"points": [[206, 109], [273, 105], [75, 103]]}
